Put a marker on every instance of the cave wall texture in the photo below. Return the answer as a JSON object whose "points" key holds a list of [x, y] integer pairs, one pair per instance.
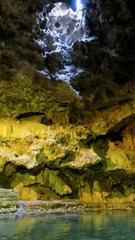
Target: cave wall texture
{"points": [[108, 61], [54, 144]]}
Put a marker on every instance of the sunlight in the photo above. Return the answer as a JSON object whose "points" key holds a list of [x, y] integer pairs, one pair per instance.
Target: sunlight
{"points": [[60, 10], [78, 5]]}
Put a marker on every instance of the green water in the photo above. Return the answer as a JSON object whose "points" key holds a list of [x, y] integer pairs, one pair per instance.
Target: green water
{"points": [[115, 225]]}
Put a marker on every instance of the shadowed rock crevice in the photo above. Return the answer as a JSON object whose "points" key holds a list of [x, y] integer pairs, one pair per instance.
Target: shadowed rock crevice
{"points": [[120, 126], [29, 114], [113, 134]]}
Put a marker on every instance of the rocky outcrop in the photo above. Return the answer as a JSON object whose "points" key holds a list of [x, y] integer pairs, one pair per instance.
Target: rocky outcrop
{"points": [[37, 97], [71, 162], [8, 201]]}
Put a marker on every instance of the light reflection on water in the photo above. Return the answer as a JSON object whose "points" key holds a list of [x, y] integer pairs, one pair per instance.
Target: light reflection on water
{"points": [[116, 225]]}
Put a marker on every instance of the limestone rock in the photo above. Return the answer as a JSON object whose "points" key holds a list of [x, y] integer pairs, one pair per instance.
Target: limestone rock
{"points": [[63, 162], [84, 158], [8, 200], [118, 159]]}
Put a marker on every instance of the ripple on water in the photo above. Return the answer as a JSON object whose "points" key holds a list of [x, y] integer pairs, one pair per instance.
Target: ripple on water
{"points": [[106, 225]]}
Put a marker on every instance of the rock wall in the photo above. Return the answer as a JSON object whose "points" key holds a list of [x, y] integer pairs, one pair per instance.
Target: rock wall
{"points": [[72, 162], [8, 201], [53, 143], [109, 59]]}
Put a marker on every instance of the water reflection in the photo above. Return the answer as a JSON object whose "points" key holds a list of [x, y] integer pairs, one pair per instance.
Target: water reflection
{"points": [[117, 225]]}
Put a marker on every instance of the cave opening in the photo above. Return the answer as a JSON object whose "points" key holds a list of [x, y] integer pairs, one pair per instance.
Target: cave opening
{"points": [[62, 26]]}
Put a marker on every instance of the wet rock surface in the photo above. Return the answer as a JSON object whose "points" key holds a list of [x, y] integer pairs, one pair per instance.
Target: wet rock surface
{"points": [[8, 201], [45, 207]]}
